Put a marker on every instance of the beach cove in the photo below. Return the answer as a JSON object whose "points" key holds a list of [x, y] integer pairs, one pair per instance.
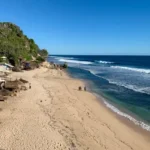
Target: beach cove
{"points": [[53, 114]]}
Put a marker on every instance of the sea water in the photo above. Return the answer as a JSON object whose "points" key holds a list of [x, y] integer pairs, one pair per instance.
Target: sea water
{"points": [[124, 81]]}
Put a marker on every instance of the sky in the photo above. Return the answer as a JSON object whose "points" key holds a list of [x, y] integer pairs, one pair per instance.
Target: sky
{"points": [[91, 27]]}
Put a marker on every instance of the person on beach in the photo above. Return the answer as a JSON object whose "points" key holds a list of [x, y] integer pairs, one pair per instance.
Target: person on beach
{"points": [[80, 88], [85, 88]]}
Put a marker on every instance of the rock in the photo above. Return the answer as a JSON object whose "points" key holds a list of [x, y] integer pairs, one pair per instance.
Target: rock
{"points": [[16, 69]]}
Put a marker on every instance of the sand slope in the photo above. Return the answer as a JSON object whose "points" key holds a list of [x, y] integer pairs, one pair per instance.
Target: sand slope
{"points": [[54, 115]]}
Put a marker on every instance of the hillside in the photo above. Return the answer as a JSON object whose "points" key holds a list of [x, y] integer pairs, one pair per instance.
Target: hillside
{"points": [[14, 44]]}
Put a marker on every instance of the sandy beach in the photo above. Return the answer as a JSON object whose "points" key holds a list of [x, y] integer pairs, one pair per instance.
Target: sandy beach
{"points": [[54, 115]]}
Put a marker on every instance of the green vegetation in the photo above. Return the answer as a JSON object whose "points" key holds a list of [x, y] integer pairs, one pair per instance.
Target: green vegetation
{"points": [[14, 44], [40, 59], [65, 65], [43, 52]]}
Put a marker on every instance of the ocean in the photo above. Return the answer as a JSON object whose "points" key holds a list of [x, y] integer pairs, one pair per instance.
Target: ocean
{"points": [[123, 81]]}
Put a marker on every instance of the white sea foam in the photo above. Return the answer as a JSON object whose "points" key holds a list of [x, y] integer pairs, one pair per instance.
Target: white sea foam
{"points": [[95, 73], [119, 112], [75, 61], [105, 62], [145, 90], [116, 110], [136, 122], [133, 69]]}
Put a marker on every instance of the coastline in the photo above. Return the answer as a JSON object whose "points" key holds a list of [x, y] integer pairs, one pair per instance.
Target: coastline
{"points": [[101, 100], [55, 115], [118, 110], [124, 120]]}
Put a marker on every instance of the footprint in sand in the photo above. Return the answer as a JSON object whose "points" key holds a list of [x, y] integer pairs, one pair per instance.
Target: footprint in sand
{"points": [[59, 146]]}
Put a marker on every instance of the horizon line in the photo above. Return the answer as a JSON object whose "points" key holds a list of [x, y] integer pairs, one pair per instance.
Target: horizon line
{"points": [[100, 54]]}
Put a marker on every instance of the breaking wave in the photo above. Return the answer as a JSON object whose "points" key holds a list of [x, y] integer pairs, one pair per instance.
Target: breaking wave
{"points": [[136, 122], [145, 90], [133, 69], [75, 61], [105, 62]]}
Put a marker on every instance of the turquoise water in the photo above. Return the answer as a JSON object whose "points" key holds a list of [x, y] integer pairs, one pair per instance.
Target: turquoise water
{"points": [[123, 80]]}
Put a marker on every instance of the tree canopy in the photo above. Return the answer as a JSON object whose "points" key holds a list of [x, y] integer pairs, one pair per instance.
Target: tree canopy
{"points": [[43, 52], [14, 44]]}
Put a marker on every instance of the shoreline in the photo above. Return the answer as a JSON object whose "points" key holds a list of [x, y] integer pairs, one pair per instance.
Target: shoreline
{"points": [[124, 120], [53, 114], [125, 115], [101, 100]]}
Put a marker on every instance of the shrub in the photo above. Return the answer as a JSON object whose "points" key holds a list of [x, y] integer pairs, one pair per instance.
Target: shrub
{"points": [[40, 59], [43, 52], [28, 57]]}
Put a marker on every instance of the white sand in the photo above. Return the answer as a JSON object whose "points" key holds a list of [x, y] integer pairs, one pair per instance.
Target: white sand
{"points": [[54, 115]]}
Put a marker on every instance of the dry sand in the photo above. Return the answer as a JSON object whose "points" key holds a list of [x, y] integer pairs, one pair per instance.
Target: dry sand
{"points": [[54, 115]]}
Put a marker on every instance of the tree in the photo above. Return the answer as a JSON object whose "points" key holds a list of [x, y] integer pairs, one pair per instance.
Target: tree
{"points": [[13, 43], [43, 53]]}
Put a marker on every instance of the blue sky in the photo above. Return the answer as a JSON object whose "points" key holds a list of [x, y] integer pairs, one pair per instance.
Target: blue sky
{"points": [[83, 26]]}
